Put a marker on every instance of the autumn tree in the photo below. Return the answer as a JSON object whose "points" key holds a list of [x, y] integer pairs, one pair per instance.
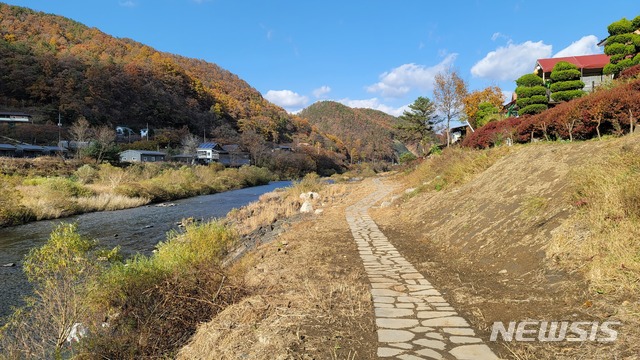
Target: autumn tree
{"points": [[449, 92], [190, 144], [491, 95], [416, 124], [80, 130], [103, 145]]}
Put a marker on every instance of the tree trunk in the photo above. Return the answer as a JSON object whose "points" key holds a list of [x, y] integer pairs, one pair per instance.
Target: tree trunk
{"points": [[630, 122], [448, 132], [598, 127]]}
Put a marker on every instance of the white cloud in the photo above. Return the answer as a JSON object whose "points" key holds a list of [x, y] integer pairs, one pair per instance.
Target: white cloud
{"points": [[498, 35], [374, 103], [128, 3], [511, 61], [588, 45], [286, 98], [401, 80], [321, 91]]}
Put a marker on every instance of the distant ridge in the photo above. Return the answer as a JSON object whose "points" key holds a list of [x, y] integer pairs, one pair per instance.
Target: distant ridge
{"points": [[366, 134]]}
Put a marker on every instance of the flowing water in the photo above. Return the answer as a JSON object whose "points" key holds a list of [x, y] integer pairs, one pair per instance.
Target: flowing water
{"points": [[136, 230]]}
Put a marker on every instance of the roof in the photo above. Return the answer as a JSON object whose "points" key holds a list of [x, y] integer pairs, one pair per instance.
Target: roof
{"points": [[597, 61], [231, 147], [54, 148], [12, 113], [7, 147], [210, 145], [145, 152], [27, 147]]}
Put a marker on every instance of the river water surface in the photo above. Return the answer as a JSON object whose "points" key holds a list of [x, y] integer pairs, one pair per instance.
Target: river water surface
{"points": [[136, 230]]}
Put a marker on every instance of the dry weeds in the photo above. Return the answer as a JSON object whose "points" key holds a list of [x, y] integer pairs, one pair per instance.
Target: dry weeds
{"points": [[566, 257], [310, 302]]}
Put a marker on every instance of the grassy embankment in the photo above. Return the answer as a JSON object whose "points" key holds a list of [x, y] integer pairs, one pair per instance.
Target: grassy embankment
{"points": [[152, 305], [48, 188], [561, 219], [600, 237]]}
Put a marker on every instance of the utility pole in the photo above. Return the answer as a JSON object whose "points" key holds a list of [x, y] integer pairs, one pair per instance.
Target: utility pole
{"points": [[59, 128]]}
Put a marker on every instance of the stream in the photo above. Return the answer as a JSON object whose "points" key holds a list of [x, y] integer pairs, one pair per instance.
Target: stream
{"points": [[136, 230]]}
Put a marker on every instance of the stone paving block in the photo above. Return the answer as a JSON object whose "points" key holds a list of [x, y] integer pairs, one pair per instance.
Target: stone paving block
{"points": [[410, 357], [405, 346], [432, 344], [410, 299], [394, 336], [433, 335], [384, 305], [393, 313], [430, 354], [412, 275], [384, 299], [464, 339], [405, 305], [432, 292], [419, 287], [450, 321], [473, 352], [421, 329], [383, 285], [385, 292], [435, 314], [388, 352], [396, 323], [459, 331]]}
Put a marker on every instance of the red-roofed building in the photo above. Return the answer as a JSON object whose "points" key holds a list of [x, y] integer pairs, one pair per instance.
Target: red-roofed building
{"points": [[590, 67]]}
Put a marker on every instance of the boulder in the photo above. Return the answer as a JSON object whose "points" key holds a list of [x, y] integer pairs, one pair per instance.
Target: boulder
{"points": [[306, 207], [309, 195]]}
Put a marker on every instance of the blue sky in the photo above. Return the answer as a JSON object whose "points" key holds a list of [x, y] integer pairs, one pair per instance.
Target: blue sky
{"points": [[379, 54]]}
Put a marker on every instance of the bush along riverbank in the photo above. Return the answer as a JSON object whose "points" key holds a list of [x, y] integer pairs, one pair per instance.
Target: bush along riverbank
{"points": [[29, 193], [90, 303]]}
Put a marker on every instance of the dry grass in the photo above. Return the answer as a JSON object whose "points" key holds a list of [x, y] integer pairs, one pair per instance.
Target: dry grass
{"points": [[108, 202], [601, 239], [283, 204], [454, 167], [309, 300]]}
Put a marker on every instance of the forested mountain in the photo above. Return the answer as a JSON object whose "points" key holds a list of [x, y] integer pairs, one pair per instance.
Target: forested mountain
{"points": [[366, 134], [50, 64]]}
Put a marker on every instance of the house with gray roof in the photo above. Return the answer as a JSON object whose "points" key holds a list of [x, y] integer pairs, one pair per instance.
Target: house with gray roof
{"points": [[142, 156]]}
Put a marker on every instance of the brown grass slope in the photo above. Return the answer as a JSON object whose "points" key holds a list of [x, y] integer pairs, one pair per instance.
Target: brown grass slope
{"points": [[309, 293], [543, 232]]}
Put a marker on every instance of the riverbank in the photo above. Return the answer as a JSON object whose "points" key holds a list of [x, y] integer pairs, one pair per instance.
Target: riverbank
{"points": [[135, 231], [53, 188]]}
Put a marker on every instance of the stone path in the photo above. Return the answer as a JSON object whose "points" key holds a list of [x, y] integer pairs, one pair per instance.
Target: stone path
{"points": [[414, 321]]}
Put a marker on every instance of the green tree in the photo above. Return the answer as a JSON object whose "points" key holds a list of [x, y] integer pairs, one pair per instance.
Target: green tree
{"points": [[449, 93], [566, 84], [532, 95], [416, 124], [622, 45], [487, 112]]}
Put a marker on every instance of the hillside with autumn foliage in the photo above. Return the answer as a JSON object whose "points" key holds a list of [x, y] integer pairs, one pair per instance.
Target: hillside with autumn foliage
{"points": [[365, 134], [52, 65]]}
